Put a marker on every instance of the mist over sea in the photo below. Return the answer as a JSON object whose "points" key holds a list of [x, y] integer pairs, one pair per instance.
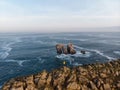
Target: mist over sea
{"points": [[23, 54]]}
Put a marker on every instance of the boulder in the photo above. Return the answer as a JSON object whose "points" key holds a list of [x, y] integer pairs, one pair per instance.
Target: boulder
{"points": [[83, 52]]}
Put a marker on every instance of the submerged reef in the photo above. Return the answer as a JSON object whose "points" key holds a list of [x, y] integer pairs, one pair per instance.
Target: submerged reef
{"points": [[99, 76]]}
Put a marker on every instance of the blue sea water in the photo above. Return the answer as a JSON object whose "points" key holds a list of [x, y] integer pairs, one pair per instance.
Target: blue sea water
{"points": [[25, 53]]}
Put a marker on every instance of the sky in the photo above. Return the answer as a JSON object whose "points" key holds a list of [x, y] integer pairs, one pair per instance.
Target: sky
{"points": [[58, 15]]}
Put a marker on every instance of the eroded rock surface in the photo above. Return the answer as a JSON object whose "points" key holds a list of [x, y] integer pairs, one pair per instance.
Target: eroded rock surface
{"points": [[88, 77], [61, 49]]}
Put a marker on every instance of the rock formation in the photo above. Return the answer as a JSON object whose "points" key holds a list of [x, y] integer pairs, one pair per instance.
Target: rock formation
{"points": [[71, 49], [61, 49], [99, 76], [83, 52], [65, 50]]}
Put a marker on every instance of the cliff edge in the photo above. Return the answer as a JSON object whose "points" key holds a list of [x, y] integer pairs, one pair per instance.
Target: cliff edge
{"points": [[99, 76]]}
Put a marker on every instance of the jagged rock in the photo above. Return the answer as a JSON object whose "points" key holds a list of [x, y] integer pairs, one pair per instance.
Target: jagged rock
{"points": [[83, 52], [65, 51], [91, 77], [106, 86], [118, 85], [59, 48], [73, 86], [71, 49], [92, 86], [84, 87], [42, 80], [19, 88], [48, 81], [103, 75]]}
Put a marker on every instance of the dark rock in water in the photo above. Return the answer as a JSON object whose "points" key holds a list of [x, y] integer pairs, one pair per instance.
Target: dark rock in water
{"points": [[99, 76], [70, 49], [65, 51], [59, 48], [83, 52]]}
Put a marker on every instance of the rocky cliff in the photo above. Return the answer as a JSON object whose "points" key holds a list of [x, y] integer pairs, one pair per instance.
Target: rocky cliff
{"points": [[97, 76]]}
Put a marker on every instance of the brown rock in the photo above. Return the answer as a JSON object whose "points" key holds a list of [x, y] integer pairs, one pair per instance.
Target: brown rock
{"points": [[70, 49], [92, 86], [118, 85], [103, 75], [73, 86], [106, 86], [48, 81], [18, 88], [65, 51], [59, 48]]}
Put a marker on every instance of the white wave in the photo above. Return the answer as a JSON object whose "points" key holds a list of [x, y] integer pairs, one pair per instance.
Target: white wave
{"points": [[79, 54], [102, 54], [41, 60], [97, 51], [63, 56], [116, 52], [20, 62], [3, 55], [5, 51], [68, 56], [76, 64], [6, 48]]}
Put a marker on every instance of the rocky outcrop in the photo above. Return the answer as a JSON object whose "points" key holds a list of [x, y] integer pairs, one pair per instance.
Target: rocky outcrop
{"points": [[87, 77], [61, 49], [71, 49], [83, 52]]}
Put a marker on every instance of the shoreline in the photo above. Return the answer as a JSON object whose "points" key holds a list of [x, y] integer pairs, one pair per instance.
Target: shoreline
{"points": [[98, 76]]}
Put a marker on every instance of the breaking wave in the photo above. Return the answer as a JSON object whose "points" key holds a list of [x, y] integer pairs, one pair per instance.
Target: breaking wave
{"points": [[96, 51], [20, 62], [41, 60], [116, 52], [78, 54], [6, 48]]}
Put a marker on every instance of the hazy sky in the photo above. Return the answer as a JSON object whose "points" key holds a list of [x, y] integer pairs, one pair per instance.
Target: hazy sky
{"points": [[53, 15]]}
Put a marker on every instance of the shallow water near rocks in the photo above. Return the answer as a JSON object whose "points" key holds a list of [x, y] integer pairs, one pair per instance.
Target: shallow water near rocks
{"points": [[23, 54]]}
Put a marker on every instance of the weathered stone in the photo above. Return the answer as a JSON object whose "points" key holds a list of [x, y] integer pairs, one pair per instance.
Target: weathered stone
{"points": [[73, 86], [71, 49], [65, 51], [106, 86], [103, 75], [59, 48], [92, 86], [83, 52], [18, 88]]}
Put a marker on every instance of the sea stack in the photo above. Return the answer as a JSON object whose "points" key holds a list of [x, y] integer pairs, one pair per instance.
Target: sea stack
{"points": [[70, 49], [59, 48]]}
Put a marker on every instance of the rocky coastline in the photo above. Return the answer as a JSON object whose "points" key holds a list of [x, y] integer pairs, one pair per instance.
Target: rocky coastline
{"points": [[99, 76]]}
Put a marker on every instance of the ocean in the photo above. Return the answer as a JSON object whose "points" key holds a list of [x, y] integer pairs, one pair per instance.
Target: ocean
{"points": [[29, 53]]}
